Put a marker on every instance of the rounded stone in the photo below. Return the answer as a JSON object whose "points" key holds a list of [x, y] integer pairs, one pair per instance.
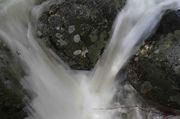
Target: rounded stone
{"points": [[156, 74], [83, 24]]}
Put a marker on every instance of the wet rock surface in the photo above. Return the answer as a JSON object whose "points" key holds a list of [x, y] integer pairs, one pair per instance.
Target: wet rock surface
{"points": [[78, 30], [11, 92], [155, 70]]}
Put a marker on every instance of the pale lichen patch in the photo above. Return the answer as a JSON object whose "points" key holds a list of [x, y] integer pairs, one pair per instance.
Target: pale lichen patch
{"points": [[62, 42], [77, 52], [77, 38], [71, 29]]}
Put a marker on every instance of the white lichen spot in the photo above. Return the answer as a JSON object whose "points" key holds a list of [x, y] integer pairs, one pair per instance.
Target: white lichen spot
{"points": [[77, 38], [58, 35], [84, 52], [77, 52], [57, 28], [62, 42], [147, 47], [71, 29]]}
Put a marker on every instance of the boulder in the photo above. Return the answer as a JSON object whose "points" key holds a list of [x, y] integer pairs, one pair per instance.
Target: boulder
{"points": [[155, 70], [78, 30]]}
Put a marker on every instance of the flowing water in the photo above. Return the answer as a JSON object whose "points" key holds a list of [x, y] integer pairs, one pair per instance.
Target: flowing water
{"points": [[60, 93]]}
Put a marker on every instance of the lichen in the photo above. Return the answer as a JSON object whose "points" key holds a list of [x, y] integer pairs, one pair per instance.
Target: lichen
{"points": [[77, 25]]}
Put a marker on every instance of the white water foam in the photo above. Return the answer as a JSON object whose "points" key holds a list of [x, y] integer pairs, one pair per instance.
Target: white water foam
{"points": [[63, 94]]}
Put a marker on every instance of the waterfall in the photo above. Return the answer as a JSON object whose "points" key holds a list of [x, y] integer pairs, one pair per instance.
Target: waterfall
{"points": [[60, 93]]}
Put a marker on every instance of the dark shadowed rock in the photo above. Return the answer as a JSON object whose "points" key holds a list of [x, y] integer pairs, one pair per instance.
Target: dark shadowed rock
{"points": [[11, 92], [78, 30], [155, 70]]}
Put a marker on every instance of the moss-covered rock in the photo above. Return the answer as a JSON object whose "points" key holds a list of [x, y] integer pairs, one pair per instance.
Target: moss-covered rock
{"points": [[155, 70], [11, 92], [78, 30]]}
